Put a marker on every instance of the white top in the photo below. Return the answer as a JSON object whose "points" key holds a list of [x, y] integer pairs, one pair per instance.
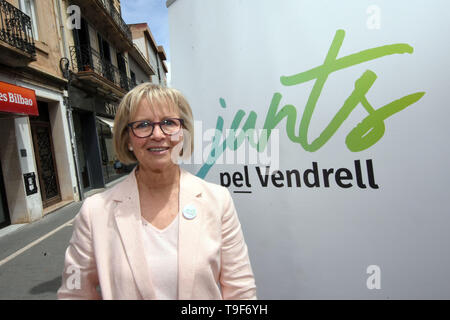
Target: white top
{"points": [[162, 256]]}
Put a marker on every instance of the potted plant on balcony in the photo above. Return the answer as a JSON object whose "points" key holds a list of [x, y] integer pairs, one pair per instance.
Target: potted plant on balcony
{"points": [[87, 67]]}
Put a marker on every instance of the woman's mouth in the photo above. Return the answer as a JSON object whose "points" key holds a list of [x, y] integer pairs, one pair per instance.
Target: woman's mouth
{"points": [[158, 150]]}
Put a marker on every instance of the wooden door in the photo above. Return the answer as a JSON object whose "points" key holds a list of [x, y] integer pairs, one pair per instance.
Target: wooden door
{"points": [[45, 161]]}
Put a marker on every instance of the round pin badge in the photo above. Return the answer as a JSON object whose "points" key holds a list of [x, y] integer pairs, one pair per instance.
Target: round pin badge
{"points": [[189, 212]]}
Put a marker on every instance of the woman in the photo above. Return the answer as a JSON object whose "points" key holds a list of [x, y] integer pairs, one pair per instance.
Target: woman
{"points": [[161, 233]]}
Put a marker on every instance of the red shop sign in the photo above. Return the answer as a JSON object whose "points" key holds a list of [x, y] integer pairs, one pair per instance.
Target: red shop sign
{"points": [[16, 99]]}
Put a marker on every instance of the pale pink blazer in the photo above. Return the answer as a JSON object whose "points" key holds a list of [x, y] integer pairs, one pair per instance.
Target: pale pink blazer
{"points": [[107, 250]]}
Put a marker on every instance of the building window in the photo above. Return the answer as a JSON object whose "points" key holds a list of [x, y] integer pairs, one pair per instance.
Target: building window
{"points": [[29, 8]]}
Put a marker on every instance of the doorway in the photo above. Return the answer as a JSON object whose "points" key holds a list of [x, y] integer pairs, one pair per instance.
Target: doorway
{"points": [[45, 156], [80, 136]]}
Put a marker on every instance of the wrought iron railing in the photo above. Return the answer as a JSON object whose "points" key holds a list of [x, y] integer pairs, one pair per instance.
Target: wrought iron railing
{"points": [[15, 28], [109, 7], [87, 59]]}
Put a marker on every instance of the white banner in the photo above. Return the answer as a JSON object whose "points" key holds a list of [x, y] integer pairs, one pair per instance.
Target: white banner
{"points": [[328, 122]]}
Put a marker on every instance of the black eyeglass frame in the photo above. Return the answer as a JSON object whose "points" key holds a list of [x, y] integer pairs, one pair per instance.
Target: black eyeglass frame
{"points": [[130, 125]]}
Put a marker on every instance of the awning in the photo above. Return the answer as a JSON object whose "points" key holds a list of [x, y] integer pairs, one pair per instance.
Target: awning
{"points": [[108, 122]]}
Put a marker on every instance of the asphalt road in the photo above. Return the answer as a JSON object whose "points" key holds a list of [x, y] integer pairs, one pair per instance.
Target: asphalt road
{"points": [[32, 257]]}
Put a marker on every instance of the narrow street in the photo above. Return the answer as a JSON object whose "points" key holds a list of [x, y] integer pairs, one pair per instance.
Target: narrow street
{"points": [[32, 257]]}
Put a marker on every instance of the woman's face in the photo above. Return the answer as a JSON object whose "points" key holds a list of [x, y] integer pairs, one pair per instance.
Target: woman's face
{"points": [[155, 152]]}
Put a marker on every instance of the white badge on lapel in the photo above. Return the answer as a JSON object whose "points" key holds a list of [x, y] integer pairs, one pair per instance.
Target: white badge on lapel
{"points": [[189, 212]]}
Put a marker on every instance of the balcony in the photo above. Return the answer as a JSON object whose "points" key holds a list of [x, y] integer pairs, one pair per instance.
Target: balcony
{"points": [[107, 20], [16, 38], [96, 72], [109, 7]]}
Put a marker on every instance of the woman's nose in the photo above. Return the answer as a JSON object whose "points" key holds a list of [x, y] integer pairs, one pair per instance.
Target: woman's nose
{"points": [[157, 133]]}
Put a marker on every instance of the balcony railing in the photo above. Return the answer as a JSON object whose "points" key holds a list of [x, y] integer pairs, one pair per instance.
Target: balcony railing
{"points": [[109, 7], [89, 60], [15, 28]]}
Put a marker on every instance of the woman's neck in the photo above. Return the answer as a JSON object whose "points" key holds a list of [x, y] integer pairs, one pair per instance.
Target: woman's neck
{"points": [[158, 180]]}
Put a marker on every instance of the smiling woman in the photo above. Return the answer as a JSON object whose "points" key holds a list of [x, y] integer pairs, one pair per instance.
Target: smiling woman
{"points": [[134, 122], [174, 235]]}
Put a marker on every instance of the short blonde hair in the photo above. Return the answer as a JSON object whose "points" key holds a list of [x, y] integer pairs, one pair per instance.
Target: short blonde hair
{"points": [[155, 95]]}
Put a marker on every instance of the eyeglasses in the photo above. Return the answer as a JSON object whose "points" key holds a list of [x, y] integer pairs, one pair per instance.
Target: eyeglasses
{"points": [[144, 128]]}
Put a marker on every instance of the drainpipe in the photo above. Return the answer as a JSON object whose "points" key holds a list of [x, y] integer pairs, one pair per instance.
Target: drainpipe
{"points": [[68, 74], [61, 27]]}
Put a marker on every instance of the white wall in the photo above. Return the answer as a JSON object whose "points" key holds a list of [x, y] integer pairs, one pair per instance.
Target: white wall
{"points": [[27, 165], [318, 242]]}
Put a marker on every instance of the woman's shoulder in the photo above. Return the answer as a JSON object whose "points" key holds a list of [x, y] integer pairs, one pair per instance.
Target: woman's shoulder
{"points": [[116, 192], [209, 189]]}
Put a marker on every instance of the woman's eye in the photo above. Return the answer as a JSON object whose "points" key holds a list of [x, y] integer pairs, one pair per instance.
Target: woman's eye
{"points": [[142, 125], [169, 122]]}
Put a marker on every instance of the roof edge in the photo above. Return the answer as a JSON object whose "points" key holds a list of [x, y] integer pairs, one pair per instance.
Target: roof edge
{"points": [[169, 3]]}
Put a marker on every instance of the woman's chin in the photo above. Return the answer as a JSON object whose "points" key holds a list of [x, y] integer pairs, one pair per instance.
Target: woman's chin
{"points": [[159, 165]]}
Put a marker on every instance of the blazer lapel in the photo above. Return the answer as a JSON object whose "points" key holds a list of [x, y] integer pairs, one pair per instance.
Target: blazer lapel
{"points": [[189, 234], [128, 218]]}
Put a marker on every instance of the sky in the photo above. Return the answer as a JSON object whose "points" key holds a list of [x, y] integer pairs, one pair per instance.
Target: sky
{"points": [[155, 13]]}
